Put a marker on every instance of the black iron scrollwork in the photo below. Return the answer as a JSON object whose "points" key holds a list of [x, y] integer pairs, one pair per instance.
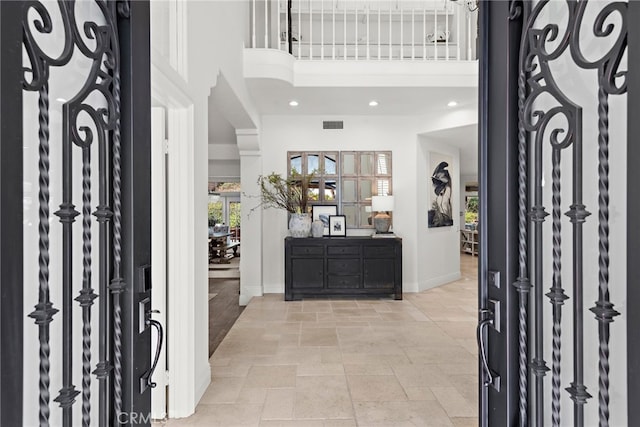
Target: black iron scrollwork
{"points": [[102, 82], [611, 81], [541, 44]]}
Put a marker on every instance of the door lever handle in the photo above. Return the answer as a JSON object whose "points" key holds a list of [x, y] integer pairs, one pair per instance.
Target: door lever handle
{"points": [[481, 344], [145, 380]]}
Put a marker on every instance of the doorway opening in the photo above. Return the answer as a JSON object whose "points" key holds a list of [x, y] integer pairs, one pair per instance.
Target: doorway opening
{"points": [[224, 222]]}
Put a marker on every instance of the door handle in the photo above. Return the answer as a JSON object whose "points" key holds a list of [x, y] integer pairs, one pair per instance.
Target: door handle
{"points": [[145, 380], [492, 378]]}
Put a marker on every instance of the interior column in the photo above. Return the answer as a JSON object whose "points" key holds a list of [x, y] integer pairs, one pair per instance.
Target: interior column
{"points": [[251, 256]]}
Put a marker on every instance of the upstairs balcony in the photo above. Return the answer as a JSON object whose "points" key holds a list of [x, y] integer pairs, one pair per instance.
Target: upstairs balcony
{"points": [[366, 30]]}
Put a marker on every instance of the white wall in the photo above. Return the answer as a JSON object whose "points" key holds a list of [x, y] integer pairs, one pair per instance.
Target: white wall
{"points": [[438, 248], [398, 134], [288, 133]]}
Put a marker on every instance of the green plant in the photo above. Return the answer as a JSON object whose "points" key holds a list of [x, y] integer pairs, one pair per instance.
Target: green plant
{"points": [[470, 217], [290, 194], [215, 213], [471, 210]]}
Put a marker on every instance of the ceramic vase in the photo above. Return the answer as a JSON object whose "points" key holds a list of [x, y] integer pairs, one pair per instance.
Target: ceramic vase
{"points": [[300, 225], [317, 228]]}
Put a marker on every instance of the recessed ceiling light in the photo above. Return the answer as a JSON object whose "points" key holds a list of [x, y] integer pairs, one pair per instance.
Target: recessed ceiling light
{"points": [[452, 104], [373, 104], [293, 103]]}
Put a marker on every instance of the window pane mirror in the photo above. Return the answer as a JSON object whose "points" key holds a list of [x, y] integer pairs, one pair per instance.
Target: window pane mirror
{"points": [[366, 186], [349, 190], [383, 187], [346, 178], [313, 163], [350, 211], [348, 163], [330, 164], [366, 164], [295, 163], [383, 164], [330, 190], [365, 216]]}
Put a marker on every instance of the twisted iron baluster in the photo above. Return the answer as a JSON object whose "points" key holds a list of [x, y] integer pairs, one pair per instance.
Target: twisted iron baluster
{"points": [[44, 310], [86, 296], [117, 284], [556, 294], [522, 283], [604, 308], [520, 10]]}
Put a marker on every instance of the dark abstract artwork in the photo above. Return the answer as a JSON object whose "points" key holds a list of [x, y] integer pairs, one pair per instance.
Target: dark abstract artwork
{"points": [[440, 212]]}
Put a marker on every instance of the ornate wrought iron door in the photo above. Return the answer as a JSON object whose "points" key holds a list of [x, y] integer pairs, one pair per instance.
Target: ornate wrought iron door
{"points": [[555, 91], [75, 91]]}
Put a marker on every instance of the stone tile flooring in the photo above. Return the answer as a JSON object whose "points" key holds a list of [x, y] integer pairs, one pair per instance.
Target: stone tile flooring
{"points": [[349, 363]]}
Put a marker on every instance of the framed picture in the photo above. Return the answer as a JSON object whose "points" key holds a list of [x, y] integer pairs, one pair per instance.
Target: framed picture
{"points": [[323, 212], [440, 212], [337, 225]]}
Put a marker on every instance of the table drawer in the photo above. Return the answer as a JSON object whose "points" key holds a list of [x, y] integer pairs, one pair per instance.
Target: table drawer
{"points": [[343, 282], [307, 250], [386, 251], [343, 250], [343, 266]]}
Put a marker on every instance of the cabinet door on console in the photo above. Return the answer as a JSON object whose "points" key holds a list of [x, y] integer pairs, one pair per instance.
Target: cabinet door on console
{"points": [[307, 273], [379, 273]]}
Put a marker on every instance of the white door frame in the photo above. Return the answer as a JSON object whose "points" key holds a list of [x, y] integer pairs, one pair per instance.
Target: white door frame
{"points": [[159, 253], [177, 242]]}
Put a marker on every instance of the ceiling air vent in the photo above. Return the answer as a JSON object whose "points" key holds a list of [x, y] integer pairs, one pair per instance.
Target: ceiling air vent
{"points": [[336, 124]]}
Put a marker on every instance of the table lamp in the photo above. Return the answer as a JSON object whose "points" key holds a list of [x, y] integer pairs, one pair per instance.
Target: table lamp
{"points": [[382, 205]]}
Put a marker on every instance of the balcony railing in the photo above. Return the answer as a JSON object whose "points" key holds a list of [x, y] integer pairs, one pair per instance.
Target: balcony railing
{"points": [[406, 30]]}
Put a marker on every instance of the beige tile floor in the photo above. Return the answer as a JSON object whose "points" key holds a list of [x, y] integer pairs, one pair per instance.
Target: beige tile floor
{"points": [[346, 363]]}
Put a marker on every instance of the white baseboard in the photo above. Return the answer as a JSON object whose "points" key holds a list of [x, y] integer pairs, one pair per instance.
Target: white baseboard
{"points": [[410, 287], [274, 289], [248, 292], [203, 381], [437, 281]]}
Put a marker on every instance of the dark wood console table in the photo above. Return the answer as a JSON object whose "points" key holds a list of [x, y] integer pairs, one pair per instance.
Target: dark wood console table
{"points": [[342, 267]]}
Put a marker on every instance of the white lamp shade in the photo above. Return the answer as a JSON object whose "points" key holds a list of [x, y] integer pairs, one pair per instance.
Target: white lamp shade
{"points": [[382, 203]]}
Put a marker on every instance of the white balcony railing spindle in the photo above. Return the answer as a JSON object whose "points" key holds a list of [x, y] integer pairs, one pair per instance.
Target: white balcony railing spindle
{"points": [[266, 24], [413, 34], [356, 36], [424, 34], [310, 29], [299, 29], [345, 33], [367, 31], [379, 31], [469, 49], [333, 39], [390, 33], [434, 35], [253, 24], [322, 29], [446, 28], [457, 38], [401, 34]]}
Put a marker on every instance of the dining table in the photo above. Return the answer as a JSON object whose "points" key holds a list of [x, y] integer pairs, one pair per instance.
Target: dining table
{"points": [[217, 241]]}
